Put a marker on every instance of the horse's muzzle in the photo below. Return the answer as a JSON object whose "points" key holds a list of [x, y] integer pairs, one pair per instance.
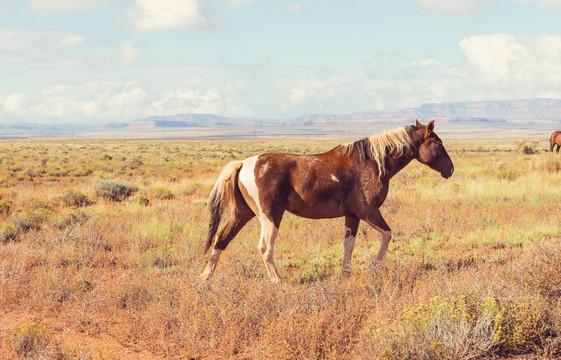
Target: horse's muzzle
{"points": [[447, 173]]}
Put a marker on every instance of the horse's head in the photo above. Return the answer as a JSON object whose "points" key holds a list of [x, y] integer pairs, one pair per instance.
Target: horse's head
{"points": [[431, 152]]}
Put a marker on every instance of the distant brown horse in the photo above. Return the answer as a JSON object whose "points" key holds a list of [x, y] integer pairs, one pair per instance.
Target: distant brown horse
{"points": [[555, 139], [350, 180]]}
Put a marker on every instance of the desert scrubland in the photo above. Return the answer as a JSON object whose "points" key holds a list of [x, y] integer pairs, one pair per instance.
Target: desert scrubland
{"points": [[101, 242]]}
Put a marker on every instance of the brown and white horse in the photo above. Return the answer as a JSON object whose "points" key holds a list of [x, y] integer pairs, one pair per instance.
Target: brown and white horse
{"points": [[555, 139], [350, 180]]}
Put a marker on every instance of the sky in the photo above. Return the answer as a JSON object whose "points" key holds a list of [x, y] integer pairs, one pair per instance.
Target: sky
{"points": [[99, 61]]}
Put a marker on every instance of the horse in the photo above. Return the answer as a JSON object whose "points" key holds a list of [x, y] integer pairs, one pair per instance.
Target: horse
{"points": [[350, 180], [555, 139]]}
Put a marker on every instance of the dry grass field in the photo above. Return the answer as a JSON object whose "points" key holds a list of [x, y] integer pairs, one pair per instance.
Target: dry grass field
{"points": [[100, 253]]}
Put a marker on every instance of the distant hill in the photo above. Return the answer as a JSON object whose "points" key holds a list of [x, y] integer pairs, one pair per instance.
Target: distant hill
{"points": [[513, 119], [481, 111]]}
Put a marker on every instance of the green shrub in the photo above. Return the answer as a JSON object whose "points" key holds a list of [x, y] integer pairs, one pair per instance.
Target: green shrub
{"points": [[32, 220], [193, 189], [525, 327], [553, 165], [163, 194], [74, 198], [31, 341], [527, 148], [39, 204], [5, 207], [135, 162], [427, 182], [114, 190], [71, 217], [143, 200], [448, 328], [481, 174], [509, 175], [8, 233]]}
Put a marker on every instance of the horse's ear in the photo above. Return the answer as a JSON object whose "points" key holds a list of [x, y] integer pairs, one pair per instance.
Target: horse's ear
{"points": [[417, 123], [430, 128]]}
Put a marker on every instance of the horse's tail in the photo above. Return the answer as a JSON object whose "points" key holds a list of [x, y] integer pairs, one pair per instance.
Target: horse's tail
{"points": [[222, 198]]}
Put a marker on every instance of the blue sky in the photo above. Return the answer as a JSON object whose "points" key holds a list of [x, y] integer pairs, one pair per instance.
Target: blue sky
{"points": [[96, 61]]}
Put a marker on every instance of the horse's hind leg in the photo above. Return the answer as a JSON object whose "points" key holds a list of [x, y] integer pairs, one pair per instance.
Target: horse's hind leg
{"points": [[351, 227], [266, 246], [229, 231]]}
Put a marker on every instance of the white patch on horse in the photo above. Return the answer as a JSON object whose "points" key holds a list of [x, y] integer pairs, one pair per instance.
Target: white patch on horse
{"points": [[264, 169], [247, 178], [334, 178]]}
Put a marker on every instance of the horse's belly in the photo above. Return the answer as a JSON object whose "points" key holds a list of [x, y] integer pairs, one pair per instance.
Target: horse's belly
{"points": [[315, 210]]}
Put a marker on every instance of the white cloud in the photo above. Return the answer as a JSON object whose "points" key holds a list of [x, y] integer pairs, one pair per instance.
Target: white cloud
{"points": [[190, 101], [14, 103], [455, 6], [294, 7], [527, 66], [127, 52], [66, 6], [236, 3], [107, 101], [149, 15], [94, 100], [20, 43], [544, 3]]}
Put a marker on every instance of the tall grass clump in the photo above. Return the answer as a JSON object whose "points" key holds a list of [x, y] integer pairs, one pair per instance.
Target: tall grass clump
{"points": [[8, 233], [553, 165], [527, 148], [114, 190], [163, 194], [33, 220], [33, 341], [5, 207], [74, 198], [448, 328]]}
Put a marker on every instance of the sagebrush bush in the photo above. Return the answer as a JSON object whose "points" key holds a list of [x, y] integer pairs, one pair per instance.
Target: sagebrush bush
{"points": [[526, 326], [33, 341], [32, 220], [162, 194], [507, 174], [8, 233], [527, 148], [553, 165], [114, 190], [5, 207], [39, 204], [143, 200], [74, 198], [71, 217], [193, 189], [448, 328]]}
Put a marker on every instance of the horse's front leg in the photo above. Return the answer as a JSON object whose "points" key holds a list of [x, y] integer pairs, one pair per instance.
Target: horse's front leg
{"points": [[351, 228], [376, 220]]}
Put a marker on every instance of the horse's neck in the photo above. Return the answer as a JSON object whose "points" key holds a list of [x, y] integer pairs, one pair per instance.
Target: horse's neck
{"points": [[395, 164]]}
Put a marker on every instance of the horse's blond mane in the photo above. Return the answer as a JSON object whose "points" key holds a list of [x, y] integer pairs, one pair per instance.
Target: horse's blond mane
{"points": [[377, 147]]}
